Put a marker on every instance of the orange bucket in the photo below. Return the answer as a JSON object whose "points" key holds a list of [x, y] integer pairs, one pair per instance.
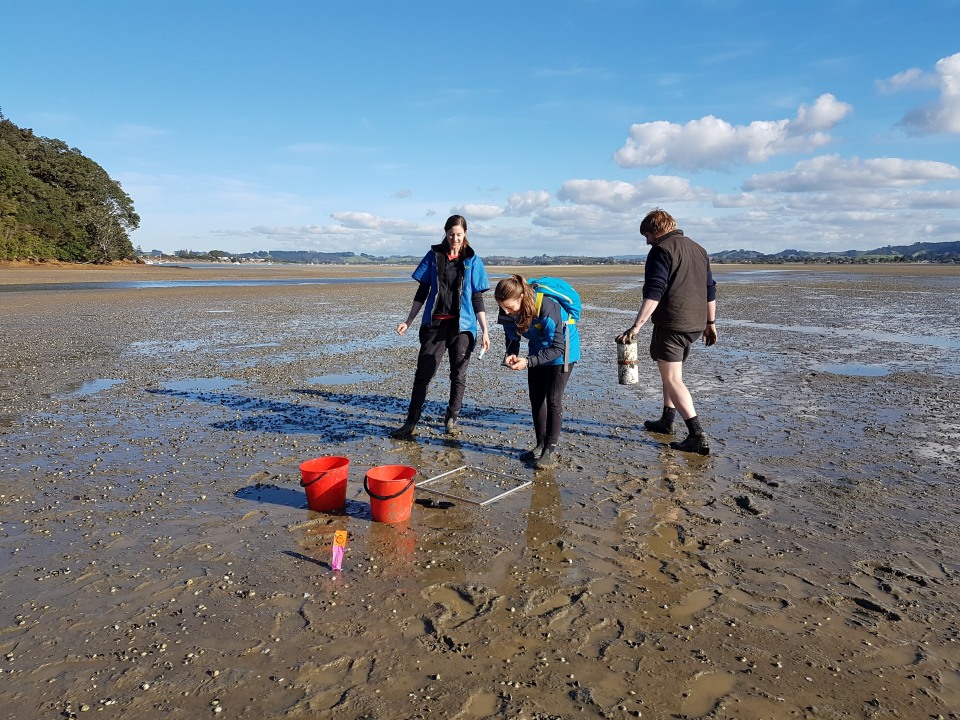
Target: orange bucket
{"points": [[390, 488], [325, 482]]}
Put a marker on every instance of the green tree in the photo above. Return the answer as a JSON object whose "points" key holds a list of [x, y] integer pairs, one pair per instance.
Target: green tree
{"points": [[56, 203]]}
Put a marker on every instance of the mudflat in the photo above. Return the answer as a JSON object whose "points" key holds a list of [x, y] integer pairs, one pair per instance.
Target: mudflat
{"points": [[159, 559]]}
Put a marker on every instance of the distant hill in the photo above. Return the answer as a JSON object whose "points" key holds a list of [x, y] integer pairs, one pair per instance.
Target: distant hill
{"points": [[943, 252]]}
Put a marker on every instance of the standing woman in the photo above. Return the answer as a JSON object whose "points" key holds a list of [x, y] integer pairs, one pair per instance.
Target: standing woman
{"points": [[452, 282], [553, 348]]}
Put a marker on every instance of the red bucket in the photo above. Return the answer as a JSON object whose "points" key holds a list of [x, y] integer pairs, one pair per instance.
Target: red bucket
{"points": [[390, 488], [325, 482]]}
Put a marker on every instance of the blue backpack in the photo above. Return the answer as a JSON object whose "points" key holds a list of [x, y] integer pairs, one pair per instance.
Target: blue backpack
{"points": [[569, 299], [562, 292]]}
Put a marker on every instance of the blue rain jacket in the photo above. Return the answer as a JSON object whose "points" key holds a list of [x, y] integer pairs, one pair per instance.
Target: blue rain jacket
{"points": [[475, 280]]}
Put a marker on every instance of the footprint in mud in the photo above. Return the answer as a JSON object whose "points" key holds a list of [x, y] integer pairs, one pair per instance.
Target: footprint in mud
{"points": [[899, 584], [450, 607], [745, 505], [762, 477], [459, 603], [869, 606], [692, 603], [705, 693], [555, 602], [555, 607], [333, 679]]}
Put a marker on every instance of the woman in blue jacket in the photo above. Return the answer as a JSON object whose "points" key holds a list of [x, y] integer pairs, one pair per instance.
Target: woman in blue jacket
{"points": [[452, 282], [553, 348]]}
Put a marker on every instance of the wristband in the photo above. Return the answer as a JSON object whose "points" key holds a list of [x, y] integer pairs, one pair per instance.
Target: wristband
{"points": [[711, 322]]}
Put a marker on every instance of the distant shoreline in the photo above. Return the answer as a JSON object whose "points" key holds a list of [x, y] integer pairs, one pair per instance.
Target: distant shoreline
{"points": [[20, 273], [40, 273]]}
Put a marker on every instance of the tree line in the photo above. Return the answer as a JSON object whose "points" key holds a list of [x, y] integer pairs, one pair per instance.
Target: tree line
{"points": [[57, 204]]}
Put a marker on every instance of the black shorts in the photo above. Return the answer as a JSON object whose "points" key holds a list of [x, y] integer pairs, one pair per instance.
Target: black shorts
{"points": [[671, 346]]}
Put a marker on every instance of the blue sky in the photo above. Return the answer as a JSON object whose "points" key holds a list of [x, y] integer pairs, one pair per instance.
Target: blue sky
{"points": [[553, 126]]}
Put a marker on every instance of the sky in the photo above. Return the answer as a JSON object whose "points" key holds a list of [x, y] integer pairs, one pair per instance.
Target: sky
{"points": [[553, 126]]}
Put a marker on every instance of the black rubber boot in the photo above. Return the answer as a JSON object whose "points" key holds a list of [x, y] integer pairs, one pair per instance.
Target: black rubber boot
{"points": [[450, 425], [405, 431], [694, 442], [533, 454], [659, 426], [547, 459], [665, 424]]}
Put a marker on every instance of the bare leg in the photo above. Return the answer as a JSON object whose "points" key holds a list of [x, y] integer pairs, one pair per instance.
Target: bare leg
{"points": [[675, 393]]}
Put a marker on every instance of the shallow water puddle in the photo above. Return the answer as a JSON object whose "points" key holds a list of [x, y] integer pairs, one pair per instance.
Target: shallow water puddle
{"points": [[854, 369], [200, 384], [345, 378], [92, 387]]}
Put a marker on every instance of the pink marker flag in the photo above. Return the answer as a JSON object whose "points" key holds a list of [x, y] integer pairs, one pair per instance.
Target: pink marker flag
{"points": [[339, 545]]}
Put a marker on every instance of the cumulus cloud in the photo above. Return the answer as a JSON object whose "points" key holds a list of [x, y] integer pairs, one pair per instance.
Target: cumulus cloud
{"points": [[832, 172], [526, 203], [712, 143], [942, 115], [858, 201], [477, 212], [908, 80], [358, 220], [620, 196]]}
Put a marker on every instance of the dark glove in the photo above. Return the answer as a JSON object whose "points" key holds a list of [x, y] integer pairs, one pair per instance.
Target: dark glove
{"points": [[710, 335]]}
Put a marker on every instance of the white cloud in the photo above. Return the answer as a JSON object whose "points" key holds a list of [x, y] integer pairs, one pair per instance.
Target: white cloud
{"points": [[359, 220], [908, 80], [620, 196], [712, 143], [569, 217], [859, 200], [526, 203], [831, 172], [942, 115], [823, 115], [477, 212]]}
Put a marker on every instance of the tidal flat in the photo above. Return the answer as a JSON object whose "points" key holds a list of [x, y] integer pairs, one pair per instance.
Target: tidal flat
{"points": [[159, 559]]}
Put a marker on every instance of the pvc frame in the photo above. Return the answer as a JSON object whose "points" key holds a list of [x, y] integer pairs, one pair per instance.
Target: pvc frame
{"points": [[524, 483]]}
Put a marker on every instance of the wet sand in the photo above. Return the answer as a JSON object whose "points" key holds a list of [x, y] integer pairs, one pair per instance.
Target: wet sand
{"points": [[159, 559]]}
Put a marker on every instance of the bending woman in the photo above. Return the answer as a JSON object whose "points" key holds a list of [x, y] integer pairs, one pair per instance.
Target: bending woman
{"points": [[553, 348], [452, 282]]}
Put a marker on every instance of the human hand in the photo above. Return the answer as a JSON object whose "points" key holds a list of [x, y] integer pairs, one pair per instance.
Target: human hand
{"points": [[516, 363], [710, 335], [627, 336], [485, 341], [401, 328]]}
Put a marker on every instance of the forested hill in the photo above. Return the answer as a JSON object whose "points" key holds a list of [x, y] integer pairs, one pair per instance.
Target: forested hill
{"points": [[941, 252], [57, 204]]}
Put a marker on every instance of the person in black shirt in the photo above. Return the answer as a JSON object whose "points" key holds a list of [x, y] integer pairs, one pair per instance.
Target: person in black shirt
{"points": [[452, 282], [680, 297]]}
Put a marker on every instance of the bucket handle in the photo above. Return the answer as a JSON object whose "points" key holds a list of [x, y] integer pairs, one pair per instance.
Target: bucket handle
{"points": [[318, 477], [387, 497]]}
